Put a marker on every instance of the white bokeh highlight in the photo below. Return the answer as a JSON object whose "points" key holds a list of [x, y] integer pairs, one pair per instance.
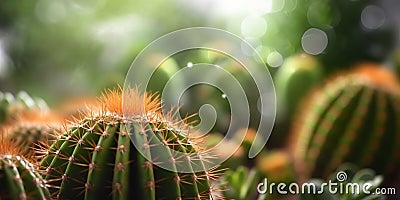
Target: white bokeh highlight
{"points": [[373, 17], [314, 41], [275, 59], [254, 26]]}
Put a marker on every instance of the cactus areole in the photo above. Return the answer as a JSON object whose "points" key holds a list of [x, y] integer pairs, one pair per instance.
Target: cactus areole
{"points": [[95, 159]]}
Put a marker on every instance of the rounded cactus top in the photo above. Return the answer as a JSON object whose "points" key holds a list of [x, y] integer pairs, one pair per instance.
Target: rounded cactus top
{"points": [[127, 149], [19, 178], [354, 117], [378, 75]]}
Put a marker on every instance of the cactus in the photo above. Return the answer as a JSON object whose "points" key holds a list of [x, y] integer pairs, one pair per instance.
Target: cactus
{"points": [[19, 178], [354, 118], [295, 78], [95, 159], [33, 132], [73, 108], [346, 174], [11, 106]]}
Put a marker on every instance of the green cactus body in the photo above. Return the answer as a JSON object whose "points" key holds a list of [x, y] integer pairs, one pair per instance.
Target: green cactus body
{"points": [[354, 118], [295, 78], [31, 136], [95, 159], [11, 105], [20, 180]]}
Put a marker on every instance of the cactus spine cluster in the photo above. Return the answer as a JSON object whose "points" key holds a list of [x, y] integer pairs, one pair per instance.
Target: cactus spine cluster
{"points": [[354, 118], [95, 158], [30, 135], [19, 179]]}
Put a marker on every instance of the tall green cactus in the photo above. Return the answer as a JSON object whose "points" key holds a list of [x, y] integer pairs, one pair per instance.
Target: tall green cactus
{"points": [[19, 178], [294, 79], [354, 118], [95, 158], [11, 105]]}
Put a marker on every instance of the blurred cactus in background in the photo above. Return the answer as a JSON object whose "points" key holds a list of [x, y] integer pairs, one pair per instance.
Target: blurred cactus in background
{"points": [[11, 106], [354, 118], [33, 131], [296, 78]]}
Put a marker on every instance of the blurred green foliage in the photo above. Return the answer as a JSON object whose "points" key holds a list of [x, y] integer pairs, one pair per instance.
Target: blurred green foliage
{"points": [[348, 39], [58, 49]]}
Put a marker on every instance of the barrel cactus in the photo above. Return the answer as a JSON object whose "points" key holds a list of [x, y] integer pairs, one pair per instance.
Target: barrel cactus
{"points": [[19, 178], [354, 117], [95, 159], [33, 131], [12, 105]]}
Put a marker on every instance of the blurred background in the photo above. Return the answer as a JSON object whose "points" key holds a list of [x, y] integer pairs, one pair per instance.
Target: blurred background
{"points": [[68, 51], [61, 49]]}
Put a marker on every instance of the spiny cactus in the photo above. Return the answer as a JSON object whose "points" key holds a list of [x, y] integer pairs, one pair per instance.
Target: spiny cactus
{"points": [[347, 174], [19, 178], [33, 130], [354, 118], [95, 159], [11, 105]]}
